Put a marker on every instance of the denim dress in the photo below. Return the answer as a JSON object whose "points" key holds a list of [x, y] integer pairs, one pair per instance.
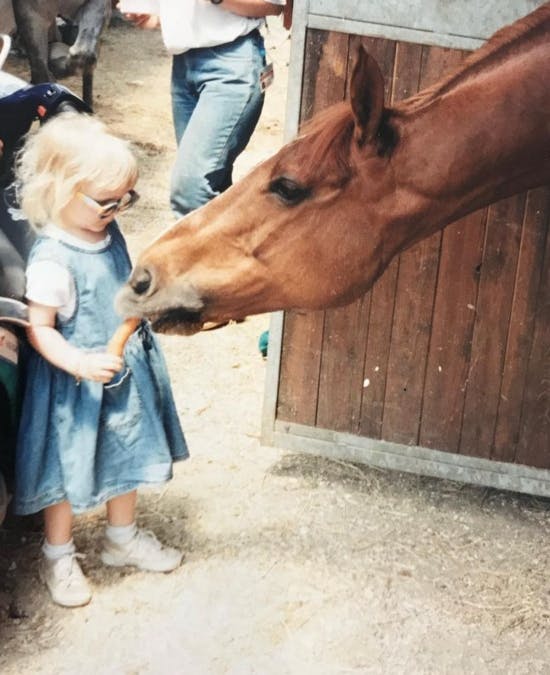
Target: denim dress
{"points": [[88, 442]]}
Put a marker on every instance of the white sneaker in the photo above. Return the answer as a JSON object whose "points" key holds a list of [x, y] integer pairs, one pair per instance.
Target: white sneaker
{"points": [[143, 551], [65, 581]]}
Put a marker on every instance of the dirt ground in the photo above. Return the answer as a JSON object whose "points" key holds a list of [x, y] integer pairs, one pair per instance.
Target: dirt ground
{"points": [[294, 564]]}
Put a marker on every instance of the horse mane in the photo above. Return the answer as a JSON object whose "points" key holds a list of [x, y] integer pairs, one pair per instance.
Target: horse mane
{"points": [[329, 135], [492, 52]]}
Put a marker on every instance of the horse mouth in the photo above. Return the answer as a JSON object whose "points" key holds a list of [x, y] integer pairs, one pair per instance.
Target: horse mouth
{"points": [[176, 321]]}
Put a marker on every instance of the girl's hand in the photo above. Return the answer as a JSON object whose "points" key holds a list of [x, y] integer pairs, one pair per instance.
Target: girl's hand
{"points": [[97, 366], [43, 336]]}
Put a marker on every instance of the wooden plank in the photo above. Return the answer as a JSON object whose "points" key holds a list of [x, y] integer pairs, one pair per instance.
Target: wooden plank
{"points": [[452, 327], [343, 331], [375, 366], [521, 333], [414, 300], [534, 440], [381, 297], [493, 309], [324, 83], [346, 328], [341, 373], [325, 70], [315, 42], [299, 371], [409, 342]]}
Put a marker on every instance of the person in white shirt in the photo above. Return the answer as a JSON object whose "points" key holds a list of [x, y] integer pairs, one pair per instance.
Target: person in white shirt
{"points": [[217, 93]]}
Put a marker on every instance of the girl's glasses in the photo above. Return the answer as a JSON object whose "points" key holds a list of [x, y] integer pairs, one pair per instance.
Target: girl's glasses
{"points": [[109, 207]]}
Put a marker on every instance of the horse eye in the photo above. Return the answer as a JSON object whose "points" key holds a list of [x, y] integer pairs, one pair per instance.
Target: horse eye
{"points": [[288, 191]]}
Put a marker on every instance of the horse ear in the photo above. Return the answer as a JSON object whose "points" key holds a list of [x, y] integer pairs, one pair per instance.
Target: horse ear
{"points": [[367, 97]]}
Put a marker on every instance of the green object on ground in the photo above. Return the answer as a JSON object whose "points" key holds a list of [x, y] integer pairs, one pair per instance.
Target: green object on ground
{"points": [[263, 343]]}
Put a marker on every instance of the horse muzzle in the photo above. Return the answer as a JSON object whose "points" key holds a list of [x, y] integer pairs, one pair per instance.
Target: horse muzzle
{"points": [[176, 310]]}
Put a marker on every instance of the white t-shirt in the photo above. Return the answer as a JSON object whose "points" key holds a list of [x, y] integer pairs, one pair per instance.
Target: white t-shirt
{"points": [[188, 24], [51, 284]]}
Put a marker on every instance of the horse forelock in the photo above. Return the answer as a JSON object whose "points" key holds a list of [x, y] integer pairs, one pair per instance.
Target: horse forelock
{"points": [[325, 141], [530, 28]]}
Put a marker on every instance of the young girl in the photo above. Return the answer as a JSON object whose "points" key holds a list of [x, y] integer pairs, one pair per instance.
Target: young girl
{"points": [[93, 427]]}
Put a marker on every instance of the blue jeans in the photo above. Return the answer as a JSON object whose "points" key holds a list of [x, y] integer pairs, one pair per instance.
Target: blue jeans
{"points": [[216, 104]]}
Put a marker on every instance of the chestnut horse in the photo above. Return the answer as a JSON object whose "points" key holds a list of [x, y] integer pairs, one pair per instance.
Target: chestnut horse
{"points": [[315, 225]]}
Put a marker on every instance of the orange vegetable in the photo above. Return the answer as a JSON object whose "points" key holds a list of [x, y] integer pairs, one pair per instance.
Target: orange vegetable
{"points": [[121, 335]]}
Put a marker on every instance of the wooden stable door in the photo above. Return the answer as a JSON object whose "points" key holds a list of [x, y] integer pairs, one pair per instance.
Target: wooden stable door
{"points": [[450, 349]]}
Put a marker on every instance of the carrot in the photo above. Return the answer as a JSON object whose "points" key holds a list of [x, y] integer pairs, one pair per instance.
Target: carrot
{"points": [[121, 335]]}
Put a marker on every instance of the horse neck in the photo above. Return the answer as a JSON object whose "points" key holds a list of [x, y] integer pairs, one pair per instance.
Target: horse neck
{"points": [[477, 138]]}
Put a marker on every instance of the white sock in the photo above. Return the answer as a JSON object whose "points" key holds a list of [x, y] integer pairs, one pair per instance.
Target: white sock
{"points": [[121, 534], [56, 551]]}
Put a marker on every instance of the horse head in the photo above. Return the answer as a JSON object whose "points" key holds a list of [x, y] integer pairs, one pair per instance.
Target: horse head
{"points": [[316, 224], [283, 235]]}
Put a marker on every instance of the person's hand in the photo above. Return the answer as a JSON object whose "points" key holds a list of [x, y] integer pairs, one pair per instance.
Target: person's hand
{"points": [[287, 14], [97, 366], [147, 21]]}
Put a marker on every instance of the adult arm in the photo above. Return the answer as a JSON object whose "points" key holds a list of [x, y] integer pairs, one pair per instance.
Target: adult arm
{"points": [[248, 8], [252, 8]]}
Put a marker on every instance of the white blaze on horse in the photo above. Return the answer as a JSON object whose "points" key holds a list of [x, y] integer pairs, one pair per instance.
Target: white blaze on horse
{"points": [[317, 224]]}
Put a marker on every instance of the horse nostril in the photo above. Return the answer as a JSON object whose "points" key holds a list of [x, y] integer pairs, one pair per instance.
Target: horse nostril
{"points": [[141, 280]]}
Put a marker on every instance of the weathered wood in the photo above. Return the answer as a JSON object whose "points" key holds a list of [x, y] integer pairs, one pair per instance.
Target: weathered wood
{"points": [[299, 374], [341, 374], [325, 71], [493, 307], [440, 293], [337, 387], [534, 441], [521, 328], [451, 333], [381, 296], [415, 293]]}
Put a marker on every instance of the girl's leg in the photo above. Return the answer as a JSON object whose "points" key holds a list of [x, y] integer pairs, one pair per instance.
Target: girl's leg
{"points": [[121, 510], [121, 519], [58, 523], [125, 544], [59, 569]]}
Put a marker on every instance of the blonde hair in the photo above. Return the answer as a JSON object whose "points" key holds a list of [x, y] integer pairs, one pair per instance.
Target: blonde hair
{"points": [[67, 152]]}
